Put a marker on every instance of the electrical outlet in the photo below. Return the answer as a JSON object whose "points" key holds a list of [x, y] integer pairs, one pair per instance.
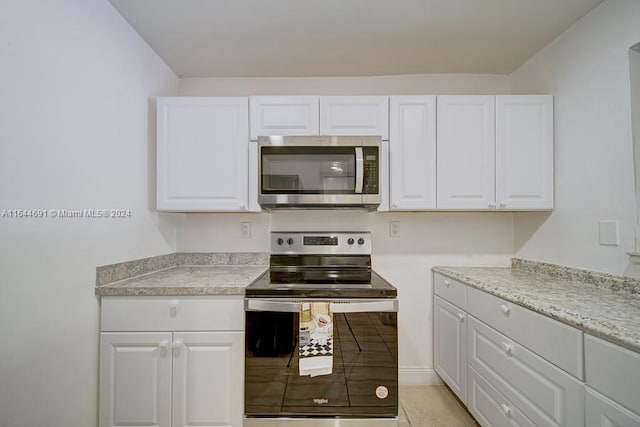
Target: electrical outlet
{"points": [[608, 231], [245, 230], [394, 228]]}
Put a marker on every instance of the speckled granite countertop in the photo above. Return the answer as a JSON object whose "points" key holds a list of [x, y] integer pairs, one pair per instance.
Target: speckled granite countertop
{"points": [[182, 274], [600, 304]]}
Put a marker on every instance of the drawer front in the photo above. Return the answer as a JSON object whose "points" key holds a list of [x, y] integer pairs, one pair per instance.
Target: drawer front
{"points": [[556, 342], [491, 408], [172, 314], [544, 393], [451, 290], [613, 371], [602, 412]]}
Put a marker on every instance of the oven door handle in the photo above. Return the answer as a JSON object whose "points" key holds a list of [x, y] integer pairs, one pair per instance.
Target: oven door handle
{"points": [[271, 305], [340, 306], [359, 170], [385, 305]]}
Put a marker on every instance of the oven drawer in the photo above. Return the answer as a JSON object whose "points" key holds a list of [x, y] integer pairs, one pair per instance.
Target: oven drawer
{"points": [[177, 313]]}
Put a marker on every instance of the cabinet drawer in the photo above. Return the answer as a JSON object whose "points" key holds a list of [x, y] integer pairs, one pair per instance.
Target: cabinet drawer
{"points": [[491, 408], [556, 342], [602, 412], [450, 290], [172, 314], [544, 393], [613, 371]]}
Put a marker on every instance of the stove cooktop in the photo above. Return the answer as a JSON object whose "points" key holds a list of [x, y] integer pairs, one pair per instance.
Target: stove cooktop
{"points": [[321, 265], [376, 287]]}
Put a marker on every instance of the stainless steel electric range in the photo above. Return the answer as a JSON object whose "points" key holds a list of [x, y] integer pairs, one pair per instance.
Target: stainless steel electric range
{"points": [[321, 307]]}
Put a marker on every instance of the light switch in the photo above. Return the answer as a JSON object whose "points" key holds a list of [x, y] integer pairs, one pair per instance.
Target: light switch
{"points": [[609, 233]]}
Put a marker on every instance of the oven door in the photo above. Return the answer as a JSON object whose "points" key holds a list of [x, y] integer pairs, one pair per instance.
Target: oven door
{"points": [[364, 379], [318, 171]]}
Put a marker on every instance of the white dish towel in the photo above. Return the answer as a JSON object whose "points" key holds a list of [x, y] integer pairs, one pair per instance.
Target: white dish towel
{"points": [[316, 339]]}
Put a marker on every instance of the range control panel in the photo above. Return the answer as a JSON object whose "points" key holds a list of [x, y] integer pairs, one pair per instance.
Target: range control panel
{"points": [[321, 243]]}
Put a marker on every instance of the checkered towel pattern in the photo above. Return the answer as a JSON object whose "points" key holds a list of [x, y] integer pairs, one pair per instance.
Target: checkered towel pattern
{"points": [[315, 349]]}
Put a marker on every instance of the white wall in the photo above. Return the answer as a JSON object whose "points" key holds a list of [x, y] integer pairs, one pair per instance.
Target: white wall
{"points": [[587, 70], [634, 77], [426, 239], [411, 84], [76, 91]]}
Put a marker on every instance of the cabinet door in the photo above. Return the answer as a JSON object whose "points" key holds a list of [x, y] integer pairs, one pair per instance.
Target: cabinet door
{"points": [[135, 379], [208, 379], [603, 412], [412, 147], [354, 115], [203, 154], [524, 152], [450, 358], [466, 164], [283, 115]]}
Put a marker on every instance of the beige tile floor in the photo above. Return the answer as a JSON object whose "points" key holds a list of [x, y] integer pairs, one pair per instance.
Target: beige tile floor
{"points": [[432, 406]]}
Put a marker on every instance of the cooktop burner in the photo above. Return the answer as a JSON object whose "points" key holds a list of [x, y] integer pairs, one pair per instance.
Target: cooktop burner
{"points": [[321, 265]]}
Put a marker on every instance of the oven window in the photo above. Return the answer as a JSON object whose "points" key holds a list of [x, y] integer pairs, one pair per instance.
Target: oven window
{"points": [[365, 357], [308, 170]]}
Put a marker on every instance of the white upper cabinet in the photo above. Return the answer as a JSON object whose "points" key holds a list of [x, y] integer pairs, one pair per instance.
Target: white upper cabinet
{"points": [[283, 115], [354, 115], [412, 148], [324, 115], [495, 152], [465, 167], [524, 152], [203, 154]]}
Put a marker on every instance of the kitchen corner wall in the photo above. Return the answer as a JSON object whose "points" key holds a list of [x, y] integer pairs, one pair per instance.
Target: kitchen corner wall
{"points": [[587, 71], [77, 114]]}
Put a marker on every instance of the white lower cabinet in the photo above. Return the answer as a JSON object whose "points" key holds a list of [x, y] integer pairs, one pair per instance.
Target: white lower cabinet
{"points": [[603, 412], [450, 359], [207, 379], [135, 379], [511, 379], [173, 378]]}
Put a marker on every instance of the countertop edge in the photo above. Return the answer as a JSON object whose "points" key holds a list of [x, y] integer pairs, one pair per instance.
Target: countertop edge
{"points": [[196, 290]]}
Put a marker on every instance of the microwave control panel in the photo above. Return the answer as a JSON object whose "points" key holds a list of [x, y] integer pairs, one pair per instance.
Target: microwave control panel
{"points": [[370, 184]]}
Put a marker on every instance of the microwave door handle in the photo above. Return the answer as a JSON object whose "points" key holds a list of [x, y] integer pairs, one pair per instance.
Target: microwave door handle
{"points": [[359, 170]]}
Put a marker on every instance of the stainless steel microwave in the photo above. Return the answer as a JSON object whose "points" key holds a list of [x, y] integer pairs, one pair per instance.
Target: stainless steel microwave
{"points": [[319, 172]]}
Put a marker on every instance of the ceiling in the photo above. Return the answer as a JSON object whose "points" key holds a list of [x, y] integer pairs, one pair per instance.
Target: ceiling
{"points": [[296, 38]]}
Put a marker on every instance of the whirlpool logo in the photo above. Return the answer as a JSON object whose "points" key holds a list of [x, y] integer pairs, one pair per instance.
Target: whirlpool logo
{"points": [[320, 401]]}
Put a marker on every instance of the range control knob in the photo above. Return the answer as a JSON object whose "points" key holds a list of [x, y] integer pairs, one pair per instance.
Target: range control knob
{"points": [[361, 241], [350, 241], [290, 241], [280, 241]]}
